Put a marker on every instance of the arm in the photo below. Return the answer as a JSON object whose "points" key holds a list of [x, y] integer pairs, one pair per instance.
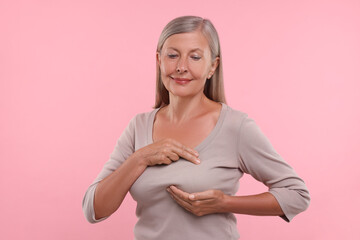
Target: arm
{"points": [[258, 158], [111, 191], [263, 204], [125, 165], [215, 201], [287, 194], [124, 148]]}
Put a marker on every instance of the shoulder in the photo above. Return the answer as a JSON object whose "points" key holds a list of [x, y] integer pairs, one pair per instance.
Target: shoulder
{"points": [[143, 118], [240, 123], [144, 115], [234, 117]]}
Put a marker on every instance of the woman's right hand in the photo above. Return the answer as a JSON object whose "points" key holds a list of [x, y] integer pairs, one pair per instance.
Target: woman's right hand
{"points": [[166, 151], [111, 191]]}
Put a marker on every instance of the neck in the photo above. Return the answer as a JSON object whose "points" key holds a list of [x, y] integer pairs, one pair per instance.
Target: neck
{"points": [[181, 110]]}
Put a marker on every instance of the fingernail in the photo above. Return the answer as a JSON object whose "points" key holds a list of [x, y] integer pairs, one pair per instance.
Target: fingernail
{"points": [[168, 189], [198, 160], [192, 196]]}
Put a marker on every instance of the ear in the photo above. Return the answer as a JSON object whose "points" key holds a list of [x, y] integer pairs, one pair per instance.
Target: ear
{"points": [[214, 65], [158, 58]]}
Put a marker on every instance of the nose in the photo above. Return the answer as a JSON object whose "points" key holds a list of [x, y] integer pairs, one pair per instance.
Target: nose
{"points": [[181, 66]]}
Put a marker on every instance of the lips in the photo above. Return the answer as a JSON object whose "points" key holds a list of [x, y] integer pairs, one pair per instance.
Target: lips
{"points": [[182, 81]]}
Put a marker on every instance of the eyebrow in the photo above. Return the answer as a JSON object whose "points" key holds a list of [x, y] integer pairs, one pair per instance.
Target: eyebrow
{"points": [[192, 50]]}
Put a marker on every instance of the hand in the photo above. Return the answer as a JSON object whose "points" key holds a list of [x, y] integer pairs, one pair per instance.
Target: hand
{"points": [[166, 151], [201, 203]]}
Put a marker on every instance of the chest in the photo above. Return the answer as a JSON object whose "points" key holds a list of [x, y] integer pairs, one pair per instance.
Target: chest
{"points": [[191, 133], [218, 170]]}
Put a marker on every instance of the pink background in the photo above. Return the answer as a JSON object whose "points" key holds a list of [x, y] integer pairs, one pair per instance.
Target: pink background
{"points": [[73, 73]]}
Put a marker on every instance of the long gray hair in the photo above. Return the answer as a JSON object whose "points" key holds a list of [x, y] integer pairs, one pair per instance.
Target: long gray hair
{"points": [[214, 87]]}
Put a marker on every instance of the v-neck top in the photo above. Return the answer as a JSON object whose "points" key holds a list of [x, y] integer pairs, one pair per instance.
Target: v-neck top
{"points": [[208, 138], [235, 146]]}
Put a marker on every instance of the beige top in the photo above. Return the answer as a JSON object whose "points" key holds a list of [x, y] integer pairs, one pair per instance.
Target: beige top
{"points": [[235, 146]]}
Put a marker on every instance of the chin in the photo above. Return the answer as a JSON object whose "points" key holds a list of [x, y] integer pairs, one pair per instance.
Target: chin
{"points": [[184, 93]]}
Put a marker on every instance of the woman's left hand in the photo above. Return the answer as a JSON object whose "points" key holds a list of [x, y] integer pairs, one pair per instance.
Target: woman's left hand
{"points": [[201, 203]]}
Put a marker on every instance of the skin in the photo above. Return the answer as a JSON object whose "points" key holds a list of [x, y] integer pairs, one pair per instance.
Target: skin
{"points": [[184, 56]]}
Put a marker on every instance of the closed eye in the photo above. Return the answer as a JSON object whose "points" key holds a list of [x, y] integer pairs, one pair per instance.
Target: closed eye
{"points": [[172, 56], [196, 58]]}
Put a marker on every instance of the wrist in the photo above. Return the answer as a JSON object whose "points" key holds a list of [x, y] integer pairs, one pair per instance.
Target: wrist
{"points": [[138, 160], [225, 203]]}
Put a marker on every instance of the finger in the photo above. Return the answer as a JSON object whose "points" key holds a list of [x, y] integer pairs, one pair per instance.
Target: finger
{"points": [[179, 193], [209, 194], [190, 150], [192, 196], [185, 153], [167, 161], [173, 156], [180, 201], [163, 160]]}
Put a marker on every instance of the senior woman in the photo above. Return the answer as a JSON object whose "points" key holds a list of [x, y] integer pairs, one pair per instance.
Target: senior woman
{"points": [[182, 161]]}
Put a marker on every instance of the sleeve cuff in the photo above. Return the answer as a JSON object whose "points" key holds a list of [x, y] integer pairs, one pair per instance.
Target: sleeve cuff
{"points": [[88, 205], [287, 215]]}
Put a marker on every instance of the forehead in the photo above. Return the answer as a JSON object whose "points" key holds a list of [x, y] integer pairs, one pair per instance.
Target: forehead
{"points": [[187, 41]]}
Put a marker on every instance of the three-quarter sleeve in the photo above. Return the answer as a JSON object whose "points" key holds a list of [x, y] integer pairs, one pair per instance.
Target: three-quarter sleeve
{"points": [[124, 147], [258, 158]]}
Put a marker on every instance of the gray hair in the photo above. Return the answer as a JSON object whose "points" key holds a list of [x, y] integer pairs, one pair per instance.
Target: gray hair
{"points": [[214, 87]]}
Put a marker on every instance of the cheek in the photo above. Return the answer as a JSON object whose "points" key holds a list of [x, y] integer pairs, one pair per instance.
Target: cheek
{"points": [[165, 71], [167, 67], [199, 70]]}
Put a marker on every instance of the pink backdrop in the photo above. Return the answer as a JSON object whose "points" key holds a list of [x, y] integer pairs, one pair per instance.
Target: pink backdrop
{"points": [[73, 73]]}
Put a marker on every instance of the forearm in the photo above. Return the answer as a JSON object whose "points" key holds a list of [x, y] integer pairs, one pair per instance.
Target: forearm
{"points": [[264, 204], [111, 191]]}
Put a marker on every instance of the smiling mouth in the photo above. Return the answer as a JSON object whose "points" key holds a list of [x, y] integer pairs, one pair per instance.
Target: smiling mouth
{"points": [[181, 81]]}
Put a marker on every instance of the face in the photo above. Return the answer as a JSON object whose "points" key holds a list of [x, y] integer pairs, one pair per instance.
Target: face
{"points": [[185, 64]]}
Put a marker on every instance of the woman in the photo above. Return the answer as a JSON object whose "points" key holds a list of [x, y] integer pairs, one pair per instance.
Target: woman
{"points": [[182, 161]]}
